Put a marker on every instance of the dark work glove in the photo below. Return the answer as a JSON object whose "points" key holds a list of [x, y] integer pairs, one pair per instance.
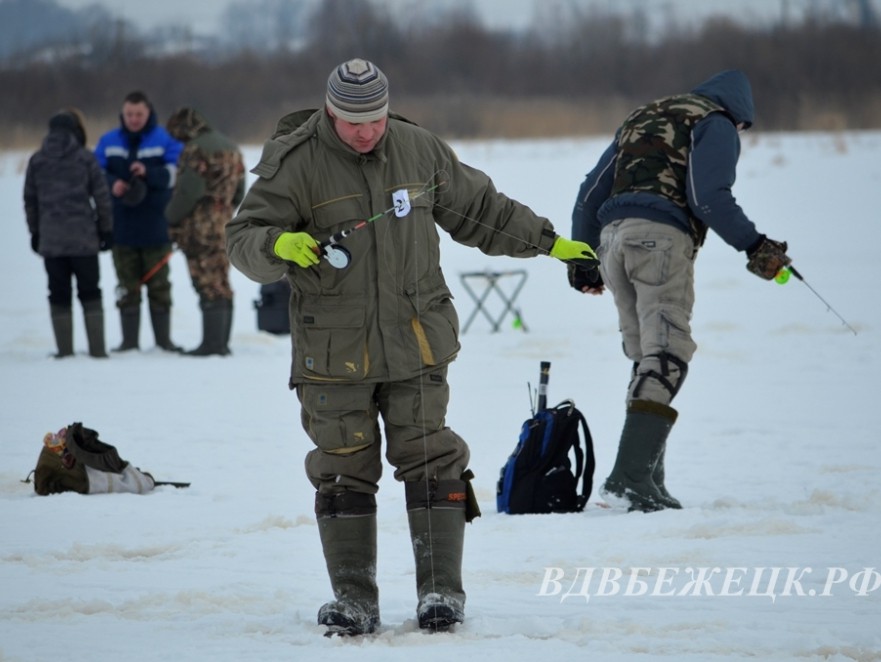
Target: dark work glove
{"points": [[767, 257], [35, 242], [581, 277], [105, 241]]}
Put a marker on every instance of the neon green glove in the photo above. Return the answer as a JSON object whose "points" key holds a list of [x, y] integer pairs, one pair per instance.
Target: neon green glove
{"points": [[297, 247], [567, 249]]}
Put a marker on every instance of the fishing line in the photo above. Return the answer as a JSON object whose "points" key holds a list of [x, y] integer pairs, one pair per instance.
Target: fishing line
{"points": [[782, 278], [496, 230], [422, 378]]}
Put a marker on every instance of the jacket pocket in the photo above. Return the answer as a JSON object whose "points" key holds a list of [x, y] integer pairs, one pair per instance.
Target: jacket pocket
{"points": [[343, 211], [333, 340], [434, 325]]}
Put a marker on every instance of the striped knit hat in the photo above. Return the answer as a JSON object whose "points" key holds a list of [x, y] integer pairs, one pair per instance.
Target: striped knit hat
{"points": [[357, 92]]}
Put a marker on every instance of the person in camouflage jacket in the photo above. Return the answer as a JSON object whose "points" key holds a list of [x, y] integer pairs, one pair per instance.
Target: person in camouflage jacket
{"points": [[647, 204], [210, 185], [374, 338], [68, 211]]}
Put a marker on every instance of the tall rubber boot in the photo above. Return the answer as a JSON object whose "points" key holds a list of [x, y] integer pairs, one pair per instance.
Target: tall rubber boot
{"points": [[658, 477], [93, 313], [216, 326], [130, 319], [62, 327], [227, 329], [436, 514], [161, 320], [347, 526], [645, 432]]}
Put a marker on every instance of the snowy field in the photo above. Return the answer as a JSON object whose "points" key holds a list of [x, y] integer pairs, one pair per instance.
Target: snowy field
{"points": [[775, 456]]}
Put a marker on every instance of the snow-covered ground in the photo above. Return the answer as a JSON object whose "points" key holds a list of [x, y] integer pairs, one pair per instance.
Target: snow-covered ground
{"points": [[775, 456]]}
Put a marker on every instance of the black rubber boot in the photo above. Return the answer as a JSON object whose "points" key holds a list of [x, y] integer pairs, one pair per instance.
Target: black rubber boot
{"points": [[436, 514], [93, 313], [643, 438], [161, 320], [347, 525], [216, 326], [62, 327], [658, 477], [130, 319]]}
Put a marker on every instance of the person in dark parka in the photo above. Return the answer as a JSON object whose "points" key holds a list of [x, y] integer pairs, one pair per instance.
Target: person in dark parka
{"points": [[67, 206]]}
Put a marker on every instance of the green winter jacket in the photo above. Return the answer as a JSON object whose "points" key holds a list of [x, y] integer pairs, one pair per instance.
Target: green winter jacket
{"points": [[211, 171], [389, 315]]}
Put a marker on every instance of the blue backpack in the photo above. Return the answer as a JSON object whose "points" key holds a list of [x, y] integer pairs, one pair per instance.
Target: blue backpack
{"points": [[538, 476]]}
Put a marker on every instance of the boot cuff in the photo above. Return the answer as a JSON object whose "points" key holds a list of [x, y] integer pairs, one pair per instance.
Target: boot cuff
{"points": [[345, 504], [652, 407], [436, 494]]}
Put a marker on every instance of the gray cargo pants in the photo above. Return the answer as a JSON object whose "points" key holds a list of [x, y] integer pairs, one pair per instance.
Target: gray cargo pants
{"points": [[649, 268], [342, 420]]}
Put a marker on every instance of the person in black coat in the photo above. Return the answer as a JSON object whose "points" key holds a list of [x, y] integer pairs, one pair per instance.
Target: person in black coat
{"points": [[68, 211]]}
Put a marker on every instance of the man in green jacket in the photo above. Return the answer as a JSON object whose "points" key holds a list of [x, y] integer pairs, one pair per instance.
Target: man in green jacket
{"points": [[347, 205], [210, 185]]}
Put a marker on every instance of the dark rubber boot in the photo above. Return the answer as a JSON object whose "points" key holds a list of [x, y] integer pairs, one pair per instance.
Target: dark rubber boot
{"points": [[62, 327], [347, 525], [643, 438], [216, 325], [93, 313], [130, 319], [438, 535], [161, 320], [658, 477], [227, 329]]}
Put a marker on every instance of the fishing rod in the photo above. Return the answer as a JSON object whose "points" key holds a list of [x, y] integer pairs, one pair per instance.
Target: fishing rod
{"points": [[782, 278], [339, 257]]}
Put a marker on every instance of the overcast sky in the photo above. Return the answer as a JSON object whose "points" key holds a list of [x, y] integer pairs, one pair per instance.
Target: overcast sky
{"points": [[203, 16]]}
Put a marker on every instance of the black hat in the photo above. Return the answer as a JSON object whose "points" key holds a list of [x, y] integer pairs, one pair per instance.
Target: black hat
{"points": [[68, 121]]}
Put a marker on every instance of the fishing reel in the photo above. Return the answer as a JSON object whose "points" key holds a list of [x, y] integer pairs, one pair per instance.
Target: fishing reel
{"points": [[337, 256]]}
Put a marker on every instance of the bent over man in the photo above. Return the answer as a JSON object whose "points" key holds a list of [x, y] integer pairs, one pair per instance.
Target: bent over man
{"points": [[646, 205]]}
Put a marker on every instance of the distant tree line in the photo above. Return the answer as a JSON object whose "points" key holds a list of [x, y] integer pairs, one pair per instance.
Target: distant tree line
{"points": [[564, 77]]}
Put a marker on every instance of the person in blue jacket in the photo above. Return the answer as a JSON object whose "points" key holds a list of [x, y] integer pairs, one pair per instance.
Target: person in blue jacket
{"points": [[140, 161], [646, 205]]}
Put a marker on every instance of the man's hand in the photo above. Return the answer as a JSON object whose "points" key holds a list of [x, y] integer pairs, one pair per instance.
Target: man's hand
{"points": [[297, 247], [584, 279], [120, 186], [569, 250], [767, 257]]}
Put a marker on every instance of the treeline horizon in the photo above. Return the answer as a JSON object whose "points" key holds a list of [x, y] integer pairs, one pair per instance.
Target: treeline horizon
{"points": [[464, 81]]}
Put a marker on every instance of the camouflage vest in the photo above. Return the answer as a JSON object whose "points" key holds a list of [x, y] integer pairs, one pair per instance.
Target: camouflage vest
{"points": [[653, 150]]}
